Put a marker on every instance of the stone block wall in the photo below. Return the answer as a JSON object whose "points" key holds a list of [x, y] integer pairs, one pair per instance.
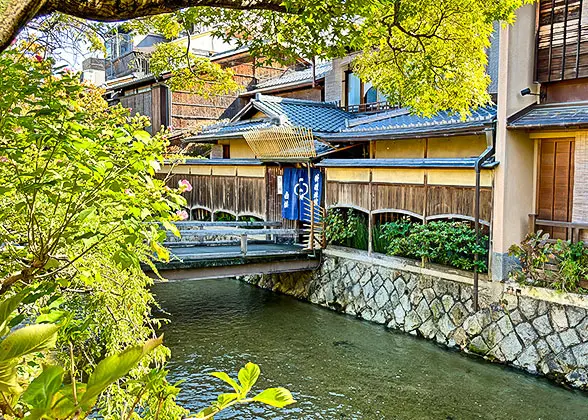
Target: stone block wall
{"points": [[537, 330]]}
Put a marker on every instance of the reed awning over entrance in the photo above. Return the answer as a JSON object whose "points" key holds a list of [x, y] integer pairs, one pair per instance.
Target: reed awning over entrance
{"points": [[285, 142]]}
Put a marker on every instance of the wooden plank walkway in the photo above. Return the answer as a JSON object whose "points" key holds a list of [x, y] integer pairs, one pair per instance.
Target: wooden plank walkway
{"points": [[209, 250]]}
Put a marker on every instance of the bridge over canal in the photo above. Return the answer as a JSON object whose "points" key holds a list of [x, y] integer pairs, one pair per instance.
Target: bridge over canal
{"points": [[226, 249]]}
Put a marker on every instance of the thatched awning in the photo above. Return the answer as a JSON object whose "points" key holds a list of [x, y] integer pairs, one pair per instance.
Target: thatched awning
{"points": [[283, 142]]}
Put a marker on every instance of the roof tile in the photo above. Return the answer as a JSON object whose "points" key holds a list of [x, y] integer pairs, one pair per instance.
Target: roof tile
{"points": [[552, 115]]}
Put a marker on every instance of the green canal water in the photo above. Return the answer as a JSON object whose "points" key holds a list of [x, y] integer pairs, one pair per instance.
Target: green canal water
{"points": [[337, 366]]}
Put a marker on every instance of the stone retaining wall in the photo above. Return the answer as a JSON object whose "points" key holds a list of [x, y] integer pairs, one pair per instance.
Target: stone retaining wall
{"points": [[538, 330]]}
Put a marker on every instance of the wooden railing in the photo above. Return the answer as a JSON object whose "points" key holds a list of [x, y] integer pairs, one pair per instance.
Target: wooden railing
{"points": [[314, 231], [240, 224], [573, 229]]}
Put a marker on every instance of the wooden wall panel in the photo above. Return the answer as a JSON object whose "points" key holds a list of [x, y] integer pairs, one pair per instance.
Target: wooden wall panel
{"points": [[556, 183], [140, 103], [562, 40], [243, 195], [439, 199], [223, 193], [401, 197], [274, 201], [452, 200], [200, 194], [251, 196], [356, 194]]}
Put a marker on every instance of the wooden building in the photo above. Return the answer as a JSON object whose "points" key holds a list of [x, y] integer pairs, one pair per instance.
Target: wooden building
{"points": [[186, 111], [530, 145], [385, 164]]}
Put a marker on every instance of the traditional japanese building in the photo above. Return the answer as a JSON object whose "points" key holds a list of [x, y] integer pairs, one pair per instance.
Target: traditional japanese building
{"points": [[524, 156]]}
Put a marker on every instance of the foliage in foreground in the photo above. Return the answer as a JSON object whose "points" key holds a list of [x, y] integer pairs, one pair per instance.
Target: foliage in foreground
{"points": [[53, 394], [347, 228], [80, 212], [247, 377], [429, 55], [559, 265]]}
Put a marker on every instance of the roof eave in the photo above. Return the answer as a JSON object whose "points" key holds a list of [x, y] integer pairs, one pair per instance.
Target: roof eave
{"points": [[205, 138], [278, 88], [547, 126], [388, 135], [458, 163]]}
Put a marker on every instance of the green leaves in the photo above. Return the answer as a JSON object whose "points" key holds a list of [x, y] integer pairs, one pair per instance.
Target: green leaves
{"points": [[142, 135], [449, 243], [191, 72], [7, 306], [429, 55], [26, 340], [115, 367], [19, 343], [248, 376], [226, 378], [276, 397], [40, 392], [537, 254]]}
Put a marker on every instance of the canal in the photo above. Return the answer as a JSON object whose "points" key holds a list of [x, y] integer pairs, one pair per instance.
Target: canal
{"points": [[336, 366]]}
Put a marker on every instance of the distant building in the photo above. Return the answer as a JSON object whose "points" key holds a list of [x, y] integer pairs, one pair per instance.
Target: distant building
{"points": [[93, 71]]}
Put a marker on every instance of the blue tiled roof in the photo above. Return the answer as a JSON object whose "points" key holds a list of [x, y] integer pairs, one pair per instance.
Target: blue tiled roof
{"points": [[293, 76], [320, 117], [551, 115], [400, 123], [235, 128], [330, 122], [406, 163]]}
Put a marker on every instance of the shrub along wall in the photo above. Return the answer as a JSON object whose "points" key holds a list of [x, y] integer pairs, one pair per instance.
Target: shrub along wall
{"points": [[538, 330], [451, 243]]}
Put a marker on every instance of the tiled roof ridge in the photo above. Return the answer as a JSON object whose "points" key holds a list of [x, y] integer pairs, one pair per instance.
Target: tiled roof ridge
{"points": [[278, 99], [376, 117], [223, 124], [560, 104], [289, 76], [447, 120]]}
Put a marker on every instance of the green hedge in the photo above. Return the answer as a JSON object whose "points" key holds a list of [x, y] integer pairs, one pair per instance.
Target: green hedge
{"points": [[442, 242], [447, 243]]}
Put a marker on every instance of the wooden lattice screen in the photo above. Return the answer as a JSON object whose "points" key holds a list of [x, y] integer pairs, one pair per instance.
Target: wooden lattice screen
{"points": [[562, 40], [281, 142]]}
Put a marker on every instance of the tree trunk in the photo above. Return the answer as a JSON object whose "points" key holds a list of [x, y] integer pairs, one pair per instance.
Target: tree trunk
{"points": [[15, 14]]}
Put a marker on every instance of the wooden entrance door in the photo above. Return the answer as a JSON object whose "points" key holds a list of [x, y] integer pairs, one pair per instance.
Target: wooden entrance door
{"points": [[556, 183]]}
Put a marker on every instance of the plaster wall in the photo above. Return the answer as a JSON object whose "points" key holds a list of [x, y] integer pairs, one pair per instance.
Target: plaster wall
{"points": [[334, 88], [400, 149], [239, 149], [514, 182], [456, 146], [433, 147]]}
